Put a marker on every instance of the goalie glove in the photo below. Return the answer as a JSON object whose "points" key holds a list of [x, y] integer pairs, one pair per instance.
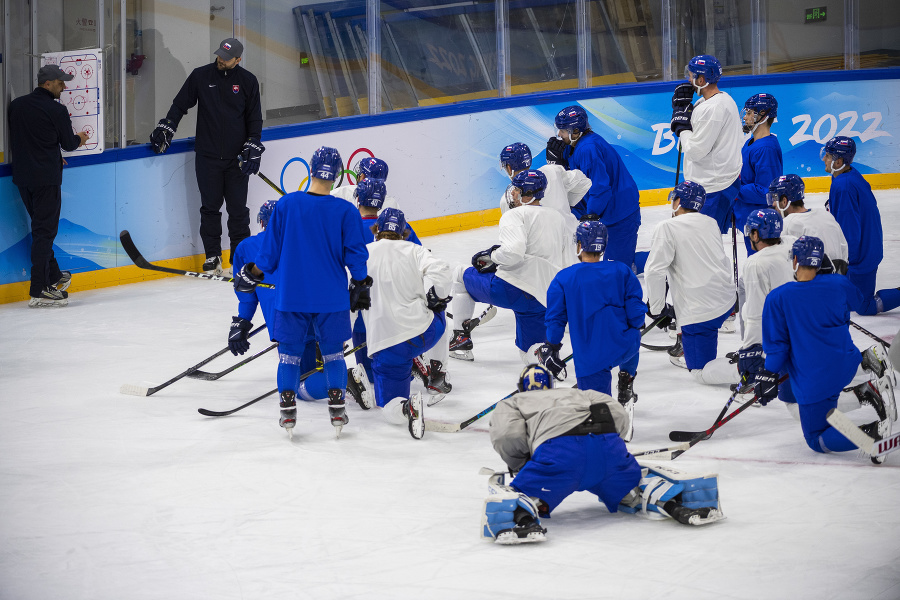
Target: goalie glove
{"points": [[681, 121], [682, 97], [251, 156], [556, 150], [482, 260], [360, 298], [161, 137], [548, 354], [436, 303], [245, 281], [237, 335]]}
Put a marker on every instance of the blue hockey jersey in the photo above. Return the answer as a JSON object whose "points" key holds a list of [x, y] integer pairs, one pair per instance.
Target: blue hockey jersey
{"points": [[613, 194], [602, 302], [853, 206], [305, 249], [806, 332], [762, 163], [263, 297]]}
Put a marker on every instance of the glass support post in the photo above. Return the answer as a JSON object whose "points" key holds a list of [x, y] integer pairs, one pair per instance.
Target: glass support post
{"points": [[373, 71]]}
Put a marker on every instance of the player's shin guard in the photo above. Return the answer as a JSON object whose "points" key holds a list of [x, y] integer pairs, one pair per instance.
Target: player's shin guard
{"points": [[664, 492], [510, 517]]}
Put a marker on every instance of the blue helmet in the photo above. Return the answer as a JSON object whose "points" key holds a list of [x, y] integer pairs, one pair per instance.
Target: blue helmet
{"points": [[572, 118], [840, 147], [325, 164], [766, 221], [760, 103], [517, 156], [691, 195], [371, 192], [372, 167], [809, 251], [535, 377], [391, 219], [592, 236], [265, 213], [531, 183], [705, 65], [790, 185]]}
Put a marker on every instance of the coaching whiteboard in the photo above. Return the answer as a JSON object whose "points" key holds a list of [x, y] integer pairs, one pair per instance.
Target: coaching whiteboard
{"points": [[83, 95]]}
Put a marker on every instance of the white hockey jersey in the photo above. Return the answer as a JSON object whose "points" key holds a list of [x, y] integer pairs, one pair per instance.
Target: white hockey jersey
{"points": [[688, 250], [564, 190], [821, 224], [402, 273], [712, 151], [535, 244], [764, 271], [346, 192]]}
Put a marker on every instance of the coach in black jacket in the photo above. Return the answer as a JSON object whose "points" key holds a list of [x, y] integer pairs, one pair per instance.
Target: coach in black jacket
{"points": [[38, 126], [229, 124]]}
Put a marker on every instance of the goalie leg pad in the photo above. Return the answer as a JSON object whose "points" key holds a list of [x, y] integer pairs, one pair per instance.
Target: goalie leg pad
{"points": [[510, 517], [663, 489]]}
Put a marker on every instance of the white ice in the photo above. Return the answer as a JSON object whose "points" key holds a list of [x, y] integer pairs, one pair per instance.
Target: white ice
{"points": [[107, 496]]}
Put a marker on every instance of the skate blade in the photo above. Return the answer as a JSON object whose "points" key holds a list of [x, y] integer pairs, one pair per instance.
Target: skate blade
{"points": [[462, 355], [511, 539], [290, 432], [432, 400], [337, 431]]}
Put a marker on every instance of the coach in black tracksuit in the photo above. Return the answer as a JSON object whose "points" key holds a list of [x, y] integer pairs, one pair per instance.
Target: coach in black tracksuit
{"points": [[229, 123], [38, 126]]}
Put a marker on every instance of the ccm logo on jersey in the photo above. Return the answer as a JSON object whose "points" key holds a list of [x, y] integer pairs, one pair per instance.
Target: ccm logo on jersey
{"points": [[235, 88]]}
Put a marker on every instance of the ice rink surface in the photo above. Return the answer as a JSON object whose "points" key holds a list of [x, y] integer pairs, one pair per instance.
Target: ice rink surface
{"points": [[108, 496]]}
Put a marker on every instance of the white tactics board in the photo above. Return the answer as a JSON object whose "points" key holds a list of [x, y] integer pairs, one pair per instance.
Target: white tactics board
{"points": [[82, 96]]}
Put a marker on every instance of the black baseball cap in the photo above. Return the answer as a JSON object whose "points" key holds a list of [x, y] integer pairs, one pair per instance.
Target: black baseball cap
{"points": [[52, 73], [229, 49]]}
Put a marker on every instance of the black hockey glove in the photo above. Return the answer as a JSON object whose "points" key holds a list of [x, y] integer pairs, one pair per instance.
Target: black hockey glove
{"points": [[360, 298], [245, 281], [161, 138], [556, 151], [681, 121], [482, 260], [435, 302], [589, 217], [237, 335], [668, 314], [548, 354], [683, 97], [251, 156], [766, 386], [750, 362]]}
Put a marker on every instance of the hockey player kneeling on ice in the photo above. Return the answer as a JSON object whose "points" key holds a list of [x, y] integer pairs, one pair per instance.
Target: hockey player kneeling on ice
{"points": [[409, 295], [806, 333], [311, 241], [535, 243], [688, 251], [602, 300], [565, 440]]}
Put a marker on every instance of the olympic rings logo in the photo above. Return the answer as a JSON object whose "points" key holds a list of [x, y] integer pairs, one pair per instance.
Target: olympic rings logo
{"points": [[304, 183]]}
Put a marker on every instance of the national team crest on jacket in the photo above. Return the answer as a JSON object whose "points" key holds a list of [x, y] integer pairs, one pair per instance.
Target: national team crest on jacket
{"points": [[235, 88]]}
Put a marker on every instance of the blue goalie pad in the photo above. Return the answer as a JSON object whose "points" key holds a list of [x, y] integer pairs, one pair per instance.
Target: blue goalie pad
{"points": [[660, 484], [500, 507]]}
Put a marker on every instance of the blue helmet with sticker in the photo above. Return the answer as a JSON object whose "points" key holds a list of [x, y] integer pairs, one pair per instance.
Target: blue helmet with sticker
{"points": [[391, 219], [325, 164], [790, 185], [372, 167], [572, 118], [535, 377], [809, 251], [517, 156], [762, 103], [705, 65], [531, 183], [592, 235], [767, 223], [265, 213], [840, 147], [371, 192], [691, 196]]}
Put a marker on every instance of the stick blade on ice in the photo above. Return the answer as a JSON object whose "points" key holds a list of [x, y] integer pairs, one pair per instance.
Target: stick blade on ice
{"points": [[134, 390]]}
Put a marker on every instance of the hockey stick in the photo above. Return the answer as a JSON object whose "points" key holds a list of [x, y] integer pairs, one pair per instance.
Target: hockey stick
{"points": [[240, 160], [205, 376], [737, 306], [860, 438], [142, 263], [142, 390], [663, 453], [215, 413], [455, 427], [646, 330], [489, 313], [688, 436], [870, 334]]}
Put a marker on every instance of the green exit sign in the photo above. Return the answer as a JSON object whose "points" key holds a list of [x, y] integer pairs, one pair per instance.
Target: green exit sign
{"points": [[814, 15]]}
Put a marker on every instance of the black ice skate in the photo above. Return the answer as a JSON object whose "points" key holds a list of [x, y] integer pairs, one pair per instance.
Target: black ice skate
{"points": [[213, 265], [337, 410], [877, 430], [420, 370], [874, 360], [359, 387], [50, 297], [627, 398], [288, 412], [64, 280], [527, 530], [676, 354], [438, 383], [413, 411], [461, 345]]}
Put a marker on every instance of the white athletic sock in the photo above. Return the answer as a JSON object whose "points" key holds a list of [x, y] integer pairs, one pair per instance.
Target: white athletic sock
{"points": [[794, 409], [719, 371], [393, 411], [462, 305]]}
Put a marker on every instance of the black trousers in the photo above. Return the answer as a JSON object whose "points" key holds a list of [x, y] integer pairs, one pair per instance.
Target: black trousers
{"points": [[43, 204], [221, 180]]}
